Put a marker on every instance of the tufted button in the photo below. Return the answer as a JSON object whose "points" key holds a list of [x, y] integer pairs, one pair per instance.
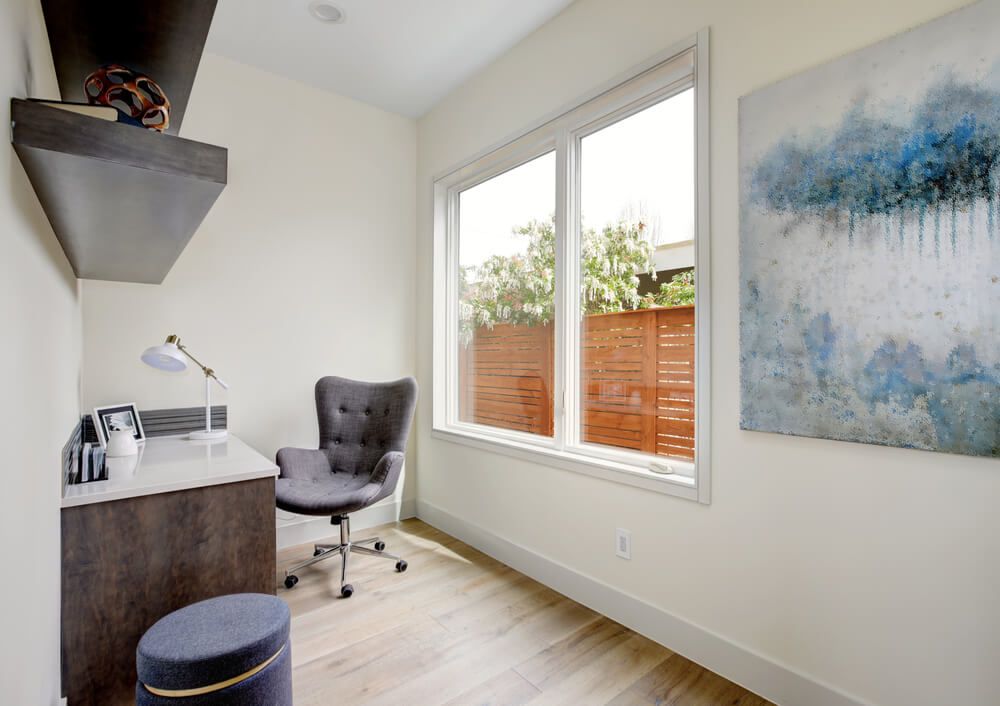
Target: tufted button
{"points": [[337, 442], [387, 411], [368, 412], [342, 410], [362, 443], [381, 444]]}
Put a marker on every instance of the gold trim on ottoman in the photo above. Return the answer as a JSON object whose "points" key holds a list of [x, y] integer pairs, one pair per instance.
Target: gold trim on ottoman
{"points": [[218, 686]]}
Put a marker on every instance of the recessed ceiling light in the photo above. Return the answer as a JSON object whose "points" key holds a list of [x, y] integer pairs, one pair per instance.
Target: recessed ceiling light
{"points": [[327, 12]]}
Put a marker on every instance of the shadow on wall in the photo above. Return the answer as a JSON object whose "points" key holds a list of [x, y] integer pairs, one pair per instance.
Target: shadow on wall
{"points": [[35, 82], [30, 211]]}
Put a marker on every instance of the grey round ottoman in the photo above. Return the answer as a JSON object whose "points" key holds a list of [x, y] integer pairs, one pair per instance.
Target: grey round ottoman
{"points": [[226, 651]]}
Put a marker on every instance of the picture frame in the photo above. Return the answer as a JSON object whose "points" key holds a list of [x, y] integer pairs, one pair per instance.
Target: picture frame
{"points": [[869, 244], [118, 416]]}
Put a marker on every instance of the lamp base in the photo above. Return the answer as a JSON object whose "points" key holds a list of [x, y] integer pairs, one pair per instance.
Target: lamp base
{"points": [[208, 435]]}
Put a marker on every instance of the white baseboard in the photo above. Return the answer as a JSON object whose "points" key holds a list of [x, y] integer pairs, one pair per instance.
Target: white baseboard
{"points": [[302, 529], [739, 664]]}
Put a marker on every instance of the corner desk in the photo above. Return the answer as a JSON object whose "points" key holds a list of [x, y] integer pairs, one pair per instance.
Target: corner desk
{"points": [[181, 522]]}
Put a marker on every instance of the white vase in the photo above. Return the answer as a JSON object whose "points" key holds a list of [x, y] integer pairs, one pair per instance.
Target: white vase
{"points": [[121, 443], [122, 466]]}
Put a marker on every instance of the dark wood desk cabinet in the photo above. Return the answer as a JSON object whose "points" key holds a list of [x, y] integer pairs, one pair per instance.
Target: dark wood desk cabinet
{"points": [[128, 561]]}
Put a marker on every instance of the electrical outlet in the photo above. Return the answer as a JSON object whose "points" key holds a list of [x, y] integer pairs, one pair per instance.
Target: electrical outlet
{"points": [[623, 543]]}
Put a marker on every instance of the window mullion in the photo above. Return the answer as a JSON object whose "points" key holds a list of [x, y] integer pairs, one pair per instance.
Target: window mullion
{"points": [[569, 287], [451, 285], [559, 296]]}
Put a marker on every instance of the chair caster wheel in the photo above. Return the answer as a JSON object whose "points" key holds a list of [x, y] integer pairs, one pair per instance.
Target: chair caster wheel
{"points": [[379, 546], [290, 581], [401, 566], [347, 590]]}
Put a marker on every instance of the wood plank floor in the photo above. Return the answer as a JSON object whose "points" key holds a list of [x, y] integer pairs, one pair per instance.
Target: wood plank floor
{"points": [[460, 628]]}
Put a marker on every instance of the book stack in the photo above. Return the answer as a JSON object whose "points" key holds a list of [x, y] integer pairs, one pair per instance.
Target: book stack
{"points": [[91, 465], [101, 112]]}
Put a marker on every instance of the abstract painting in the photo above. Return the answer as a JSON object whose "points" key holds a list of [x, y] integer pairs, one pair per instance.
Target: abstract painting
{"points": [[870, 243]]}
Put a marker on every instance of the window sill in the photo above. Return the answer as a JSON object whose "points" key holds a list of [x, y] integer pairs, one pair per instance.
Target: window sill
{"points": [[669, 484]]}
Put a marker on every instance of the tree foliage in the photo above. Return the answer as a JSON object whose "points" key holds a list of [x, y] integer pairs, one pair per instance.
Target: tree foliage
{"points": [[520, 289], [516, 289], [610, 266], [679, 291]]}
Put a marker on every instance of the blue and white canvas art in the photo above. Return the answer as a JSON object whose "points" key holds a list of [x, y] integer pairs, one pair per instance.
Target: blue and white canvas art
{"points": [[870, 243]]}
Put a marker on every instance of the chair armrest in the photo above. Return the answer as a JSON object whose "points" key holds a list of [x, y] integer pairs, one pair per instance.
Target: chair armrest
{"points": [[306, 464], [386, 475]]}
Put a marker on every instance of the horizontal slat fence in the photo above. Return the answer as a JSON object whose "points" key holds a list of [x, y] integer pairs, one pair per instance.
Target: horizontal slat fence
{"points": [[505, 378], [637, 379], [618, 380], [675, 382]]}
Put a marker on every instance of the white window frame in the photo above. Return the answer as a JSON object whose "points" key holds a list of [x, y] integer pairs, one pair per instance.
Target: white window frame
{"points": [[654, 80]]}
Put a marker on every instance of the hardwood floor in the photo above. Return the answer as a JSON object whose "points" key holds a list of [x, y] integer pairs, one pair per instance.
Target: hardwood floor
{"points": [[460, 628]]}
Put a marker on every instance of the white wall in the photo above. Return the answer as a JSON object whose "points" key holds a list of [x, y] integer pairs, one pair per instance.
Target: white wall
{"points": [[871, 569], [673, 257], [39, 357], [303, 268]]}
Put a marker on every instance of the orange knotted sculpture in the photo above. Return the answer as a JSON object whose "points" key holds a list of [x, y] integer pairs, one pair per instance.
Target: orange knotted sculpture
{"points": [[138, 99]]}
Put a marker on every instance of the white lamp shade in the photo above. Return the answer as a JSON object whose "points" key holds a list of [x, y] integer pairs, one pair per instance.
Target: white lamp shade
{"points": [[166, 356]]}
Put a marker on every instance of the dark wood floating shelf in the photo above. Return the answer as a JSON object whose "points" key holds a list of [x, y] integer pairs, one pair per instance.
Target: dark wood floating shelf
{"points": [[123, 201], [163, 40]]}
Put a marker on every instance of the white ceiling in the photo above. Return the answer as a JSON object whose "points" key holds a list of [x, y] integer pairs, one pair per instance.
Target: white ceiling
{"points": [[400, 55]]}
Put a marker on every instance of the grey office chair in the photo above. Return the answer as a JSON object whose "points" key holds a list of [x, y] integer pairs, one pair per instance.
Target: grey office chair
{"points": [[362, 436]]}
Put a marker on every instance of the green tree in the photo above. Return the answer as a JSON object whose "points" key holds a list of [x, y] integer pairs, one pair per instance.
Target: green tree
{"points": [[517, 289], [612, 260], [679, 291], [520, 289]]}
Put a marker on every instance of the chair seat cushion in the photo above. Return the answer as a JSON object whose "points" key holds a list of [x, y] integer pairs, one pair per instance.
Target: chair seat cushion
{"points": [[211, 641], [331, 494]]}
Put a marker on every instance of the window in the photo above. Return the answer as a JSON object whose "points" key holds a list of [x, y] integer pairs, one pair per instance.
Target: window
{"points": [[507, 260], [637, 347], [571, 316]]}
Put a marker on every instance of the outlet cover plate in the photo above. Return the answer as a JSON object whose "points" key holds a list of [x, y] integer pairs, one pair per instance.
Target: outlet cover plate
{"points": [[623, 543]]}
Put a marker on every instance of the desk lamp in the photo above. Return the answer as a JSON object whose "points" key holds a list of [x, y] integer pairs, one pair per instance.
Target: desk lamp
{"points": [[170, 356]]}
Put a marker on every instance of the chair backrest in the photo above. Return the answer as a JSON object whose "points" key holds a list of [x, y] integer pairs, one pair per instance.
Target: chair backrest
{"points": [[359, 422]]}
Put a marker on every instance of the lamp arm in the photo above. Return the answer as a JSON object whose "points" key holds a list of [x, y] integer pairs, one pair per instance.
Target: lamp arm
{"points": [[209, 373]]}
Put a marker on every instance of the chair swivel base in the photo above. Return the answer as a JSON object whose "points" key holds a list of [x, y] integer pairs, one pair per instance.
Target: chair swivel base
{"points": [[344, 550]]}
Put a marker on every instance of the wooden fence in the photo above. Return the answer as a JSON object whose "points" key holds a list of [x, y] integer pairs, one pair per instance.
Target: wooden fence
{"points": [[637, 379]]}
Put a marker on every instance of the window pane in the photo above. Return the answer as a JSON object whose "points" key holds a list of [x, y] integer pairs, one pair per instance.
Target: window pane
{"points": [[506, 285], [637, 276]]}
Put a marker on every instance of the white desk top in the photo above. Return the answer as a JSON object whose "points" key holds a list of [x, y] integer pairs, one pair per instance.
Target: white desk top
{"points": [[170, 463]]}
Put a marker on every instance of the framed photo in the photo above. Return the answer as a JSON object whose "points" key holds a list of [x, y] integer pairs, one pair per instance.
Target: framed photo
{"points": [[116, 417]]}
